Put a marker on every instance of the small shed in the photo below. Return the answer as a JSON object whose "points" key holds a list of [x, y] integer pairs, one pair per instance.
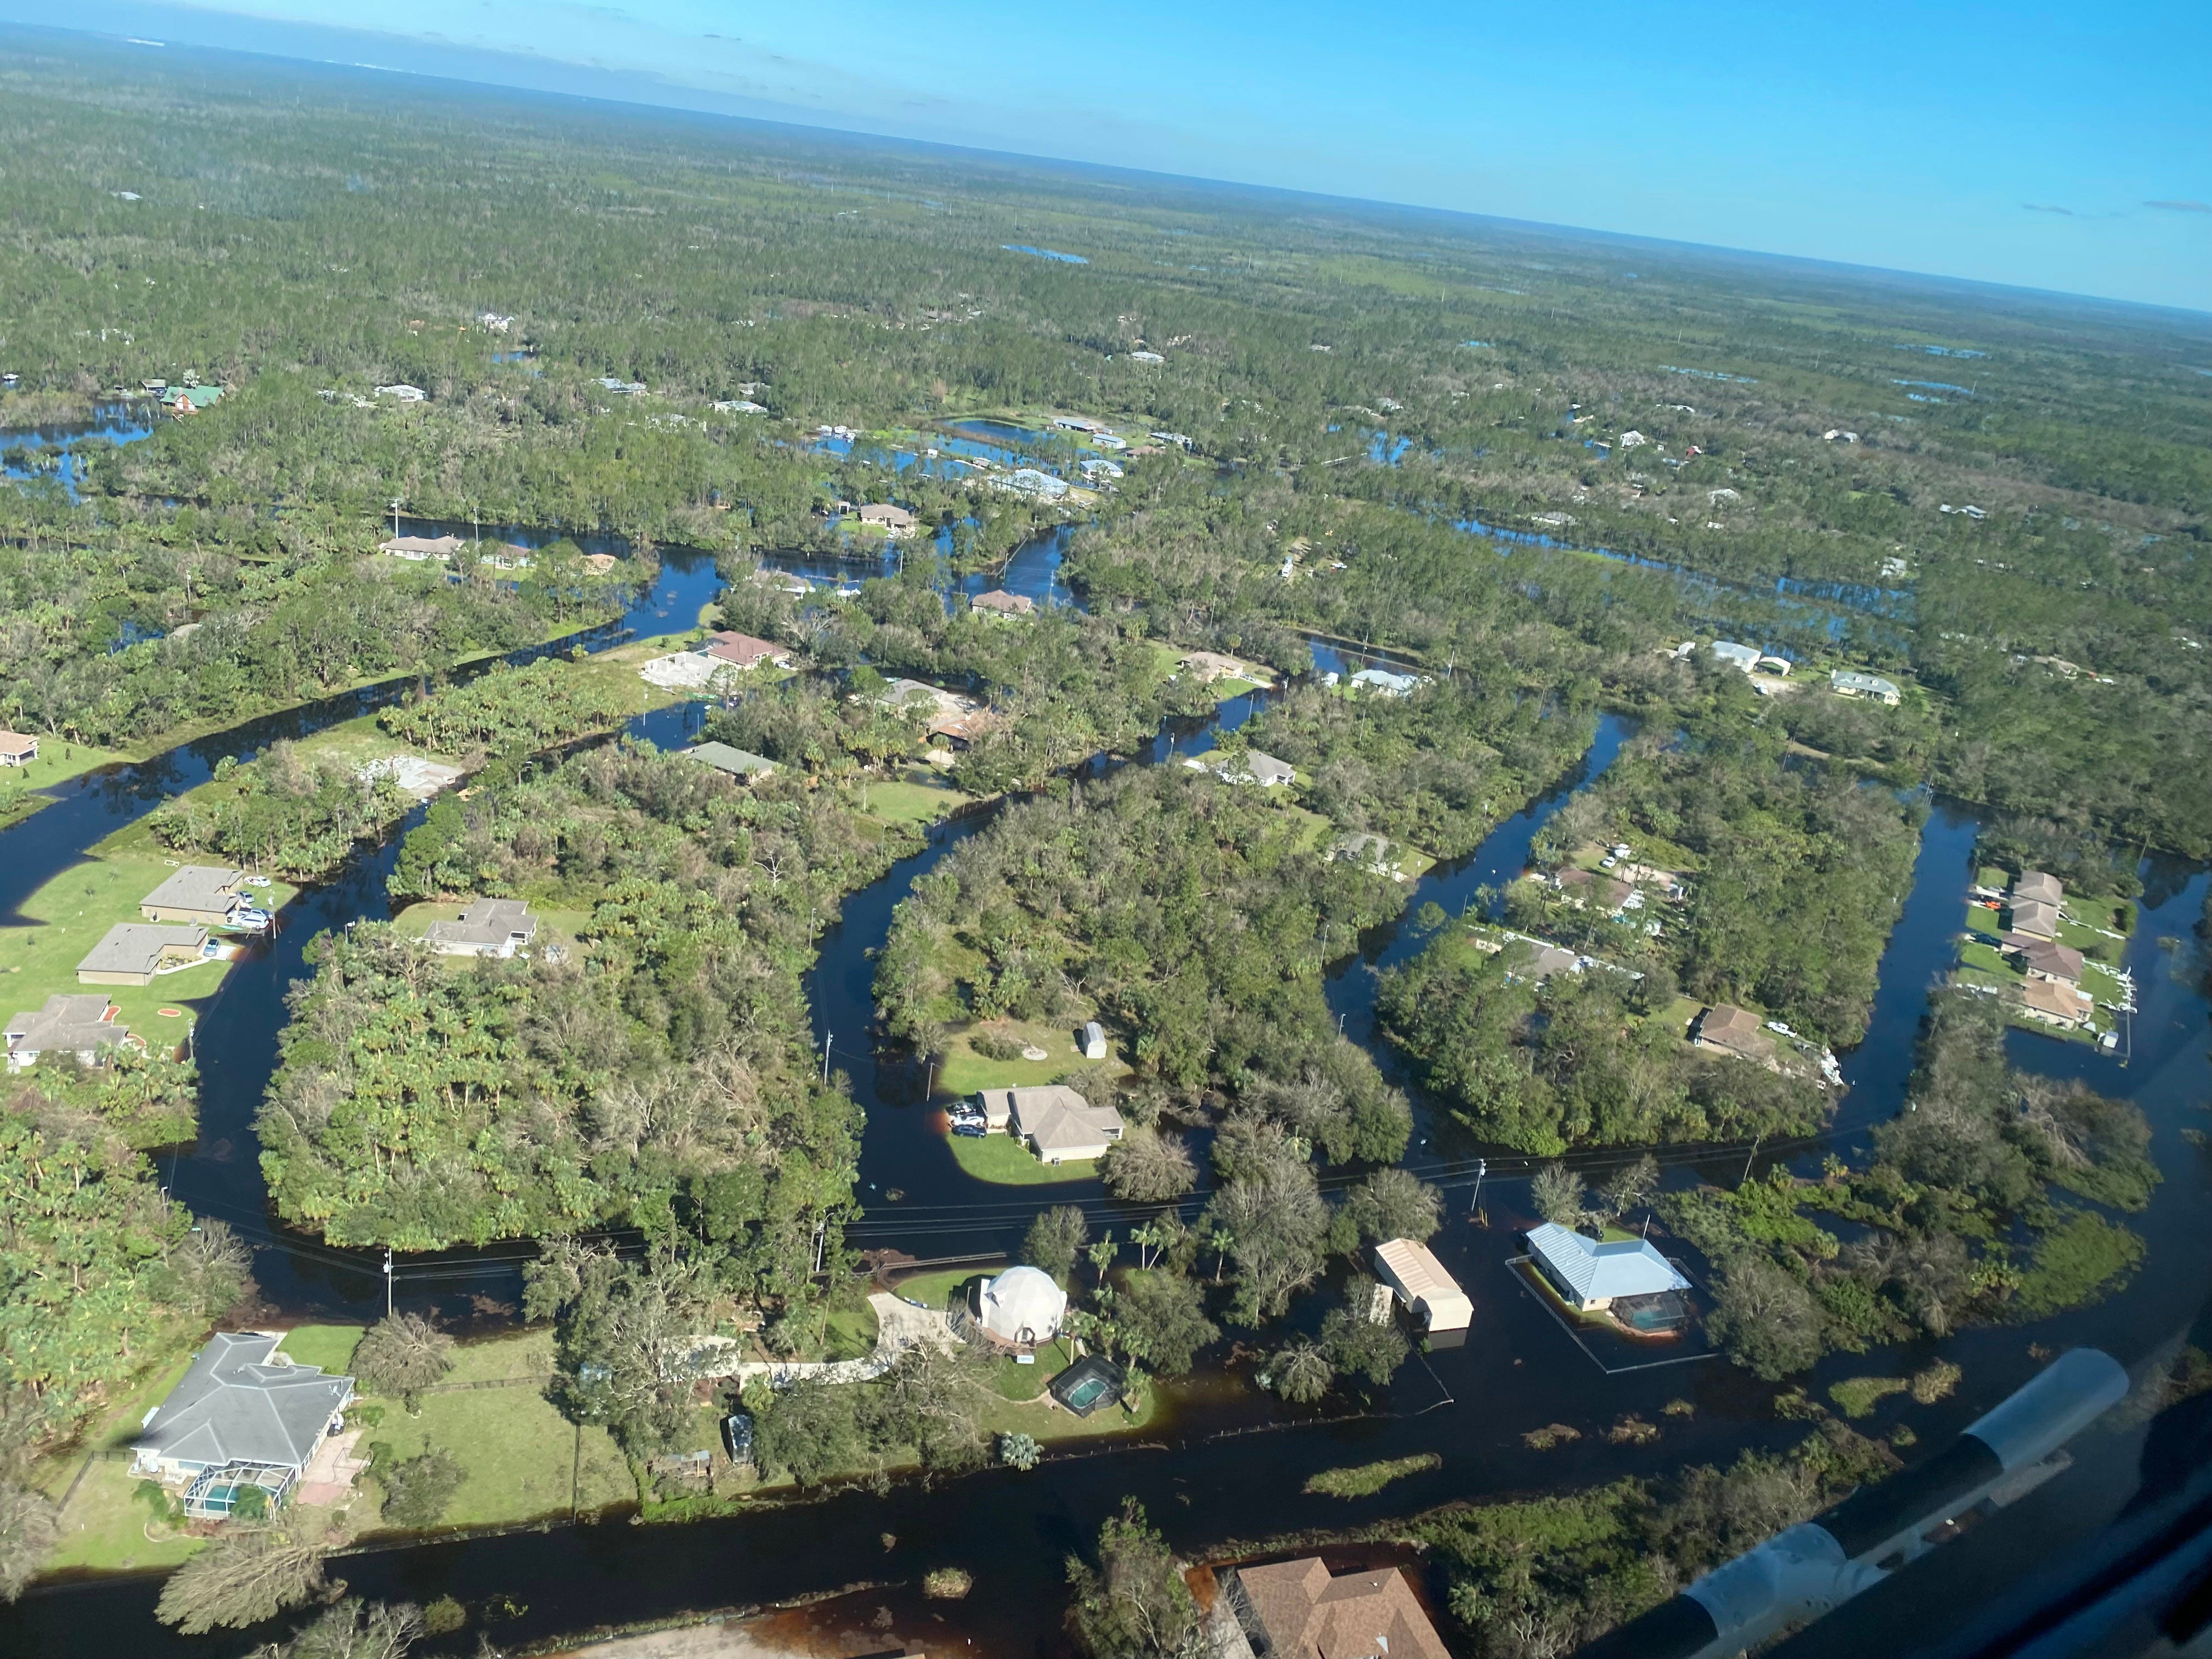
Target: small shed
{"points": [[1412, 1270], [1094, 1040]]}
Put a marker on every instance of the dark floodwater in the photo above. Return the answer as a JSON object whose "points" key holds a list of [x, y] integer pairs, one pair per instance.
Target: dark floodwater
{"points": [[56, 451], [1223, 1463]]}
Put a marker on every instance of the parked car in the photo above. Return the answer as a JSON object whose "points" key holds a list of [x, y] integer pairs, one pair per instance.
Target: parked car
{"points": [[974, 1127]]}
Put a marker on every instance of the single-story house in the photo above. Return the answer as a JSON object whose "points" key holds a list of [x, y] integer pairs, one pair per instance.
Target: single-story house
{"points": [[2044, 958], [741, 764], [960, 731], [79, 1025], [1383, 682], [404, 392], [1592, 1276], [1850, 682], [244, 1415], [210, 894], [1022, 1307], [2040, 886], [2053, 1002], [1728, 1029], [1000, 603], [1548, 961], [895, 520], [132, 952], [2034, 917], [420, 548], [489, 927], [1591, 888], [1412, 1270], [1251, 767], [998, 1106], [744, 651], [1743, 658], [1212, 665], [1300, 1610], [1369, 851], [17, 749], [1060, 1126], [1093, 1040]]}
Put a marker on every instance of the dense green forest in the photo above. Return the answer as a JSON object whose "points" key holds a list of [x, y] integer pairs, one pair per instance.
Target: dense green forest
{"points": [[659, 1071]]}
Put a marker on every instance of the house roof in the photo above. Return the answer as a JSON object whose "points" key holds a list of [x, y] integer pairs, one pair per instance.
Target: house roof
{"points": [[1383, 680], [1252, 767], [1005, 603], [435, 547], [738, 763], [1550, 959], [2044, 955], [1059, 1120], [1607, 894], [487, 921], [1624, 1267], [2034, 916], [743, 649], [2049, 996], [1023, 1304], [1726, 1026], [1212, 663], [2039, 885], [136, 947], [1851, 679], [66, 1024], [1415, 1270], [14, 743], [885, 513], [209, 887], [1309, 1614], [1736, 656], [234, 1407]]}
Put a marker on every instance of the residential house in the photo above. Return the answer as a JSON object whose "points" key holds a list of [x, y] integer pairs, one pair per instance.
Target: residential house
{"points": [[1588, 888], [744, 767], [404, 392], [1369, 851], [2039, 886], [1029, 481], [1411, 1269], [210, 894], [1728, 1029], [1020, 1309], [1548, 962], [1212, 665], [418, 548], [1093, 1037], [1850, 682], [1250, 767], [897, 522], [1060, 1126], [1000, 603], [2044, 958], [244, 1415], [1383, 682], [2032, 917], [959, 732], [80, 1025], [1300, 1610], [17, 749], [744, 651], [131, 953], [1592, 1277], [2054, 1002], [1742, 658], [488, 927]]}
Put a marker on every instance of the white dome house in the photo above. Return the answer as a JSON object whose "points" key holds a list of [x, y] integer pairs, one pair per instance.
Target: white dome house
{"points": [[1022, 1307]]}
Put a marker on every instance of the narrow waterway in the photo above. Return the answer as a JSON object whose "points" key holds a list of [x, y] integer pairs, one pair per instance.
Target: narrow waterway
{"points": [[1224, 1463]]}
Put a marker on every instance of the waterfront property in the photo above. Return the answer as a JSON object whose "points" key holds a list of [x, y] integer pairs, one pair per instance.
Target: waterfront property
{"points": [[1250, 767], [894, 521], [1091, 1381], [1626, 1278], [488, 927], [2044, 958], [1021, 1309], [1300, 1610], [1000, 603], [2039, 886], [1384, 683], [1850, 682], [419, 549], [84, 1026], [132, 952], [1412, 1270], [1370, 852], [1058, 1124], [2032, 918], [205, 894], [1725, 1029], [744, 651], [1212, 665], [1741, 658], [741, 764], [1590, 890], [17, 749], [243, 1416], [2056, 1002]]}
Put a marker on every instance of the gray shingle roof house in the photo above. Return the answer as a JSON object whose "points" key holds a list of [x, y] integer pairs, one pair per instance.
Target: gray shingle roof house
{"points": [[130, 952], [2033, 917], [2040, 886], [489, 927], [1252, 767], [1850, 682], [204, 893], [79, 1025], [1061, 1125], [236, 1410], [1592, 1276], [740, 764]]}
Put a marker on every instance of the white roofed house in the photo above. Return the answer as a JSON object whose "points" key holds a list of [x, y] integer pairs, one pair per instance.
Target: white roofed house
{"points": [[1250, 767], [1741, 658], [488, 927], [1022, 1309], [1851, 682], [1383, 682], [1412, 1271]]}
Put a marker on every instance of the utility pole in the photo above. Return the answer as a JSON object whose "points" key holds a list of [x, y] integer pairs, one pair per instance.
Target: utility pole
{"points": [[388, 1281], [826, 1056], [395, 518], [1749, 1156], [1481, 1169]]}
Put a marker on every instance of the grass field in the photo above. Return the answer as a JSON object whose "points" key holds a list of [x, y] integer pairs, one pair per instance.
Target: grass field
{"points": [[103, 1526], [57, 762], [330, 1347], [918, 798], [1007, 1162], [962, 1071], [554, 927]]}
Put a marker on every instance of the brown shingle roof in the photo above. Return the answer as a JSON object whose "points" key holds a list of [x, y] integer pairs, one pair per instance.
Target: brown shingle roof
{"points": [[743, 649], [2048, 996], [1307, 1613], [2039, 885], [1005, 603], [1736, 1030]]}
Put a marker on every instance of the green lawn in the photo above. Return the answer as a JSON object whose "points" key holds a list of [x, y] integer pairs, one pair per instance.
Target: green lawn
{"points": [[554, 927], [57, 762], [850, 1332], [962, 1071], [70, 913], [934, 1290], [330, 1347], [1007, 1162], [910, 799], [102, 1526]]}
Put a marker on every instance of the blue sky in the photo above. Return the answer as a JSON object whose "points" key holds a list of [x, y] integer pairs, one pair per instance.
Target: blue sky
{"points": [[2060, 147]]}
